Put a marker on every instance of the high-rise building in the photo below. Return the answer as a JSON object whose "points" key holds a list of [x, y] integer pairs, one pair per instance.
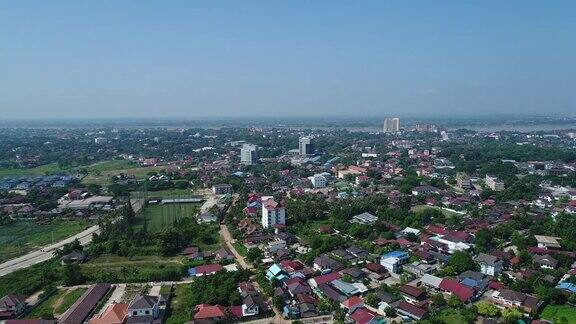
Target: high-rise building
{"points": [[248, 154], [463, 181], [273, 213], [391, 125], [306, 146], [493, 183]]}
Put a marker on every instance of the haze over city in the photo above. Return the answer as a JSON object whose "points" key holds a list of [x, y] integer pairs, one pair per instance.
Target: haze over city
{"points": [[110, 59]]}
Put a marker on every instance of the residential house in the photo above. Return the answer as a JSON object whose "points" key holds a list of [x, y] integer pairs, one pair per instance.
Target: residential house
{"points": [[364, 218], [205, 312], [410, 310], [326, 264], [12, 305], [412, 294], [393, 261], [489, 264], [143, 309], [114, 314], [512, 299]]}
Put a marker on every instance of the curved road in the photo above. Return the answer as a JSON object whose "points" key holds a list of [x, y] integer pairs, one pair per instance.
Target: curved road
{"points": [[47, 252]]}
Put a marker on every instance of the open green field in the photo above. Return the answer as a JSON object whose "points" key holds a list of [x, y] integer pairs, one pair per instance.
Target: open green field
{"points": [[160, 216], [39, 170], [57, 304], [179, 313], [100, 173], [23, 236], [112, 165], [451, 316], [133, 269], [46, 308], [446, 213], [171, 193], [559, 314], [62, 305]]}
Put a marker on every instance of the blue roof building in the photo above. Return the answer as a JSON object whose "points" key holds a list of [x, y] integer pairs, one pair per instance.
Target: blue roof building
{"points": [[568, 286], [275, 271]]}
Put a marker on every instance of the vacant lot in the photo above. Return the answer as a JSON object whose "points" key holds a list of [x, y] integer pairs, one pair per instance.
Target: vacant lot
{"points": [[101, 172], [144, 268], [57, 304], [446, 213], [23, 236], [179, 311], [157, 217], [559, 314]]}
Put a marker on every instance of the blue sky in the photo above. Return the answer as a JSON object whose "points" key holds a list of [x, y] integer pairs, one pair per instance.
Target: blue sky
{"points": [[83, 59]]}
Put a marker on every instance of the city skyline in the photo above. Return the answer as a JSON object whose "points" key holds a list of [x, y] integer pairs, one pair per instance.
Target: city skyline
{"points": [[200, 60]]}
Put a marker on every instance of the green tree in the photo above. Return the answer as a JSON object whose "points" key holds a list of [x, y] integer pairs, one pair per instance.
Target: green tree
{"points": [[255, 255], [511, 315], [487, 309], [72, 275], [372, 300], [461, 261]]}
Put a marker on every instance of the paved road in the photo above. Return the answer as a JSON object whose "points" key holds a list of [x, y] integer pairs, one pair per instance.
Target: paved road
{"points": [[47, 252]]}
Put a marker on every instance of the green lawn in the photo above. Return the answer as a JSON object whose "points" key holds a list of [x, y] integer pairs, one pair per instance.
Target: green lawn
{"points": [[559, 314], [100, 173], [39, 170], [446, 213], [23, 236], [160, 216], [47, 306], [112, 165], [132, 269], [171, 193], [451, 316], [179, 313], [68, 300]]}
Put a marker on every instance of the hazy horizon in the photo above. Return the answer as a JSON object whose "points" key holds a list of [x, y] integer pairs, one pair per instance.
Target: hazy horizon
{"points": [[109, 59]]}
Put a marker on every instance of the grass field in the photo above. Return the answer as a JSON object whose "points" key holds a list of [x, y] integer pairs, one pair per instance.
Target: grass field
{"points": [[179, 313], [451, 316], [559, 314], [58, 303], [160, 216], [47, 306], [171, 193], [62, 305], [131, 269], [446, 213], [112, 165], [40, 170], [23, 236], [100, 173]]}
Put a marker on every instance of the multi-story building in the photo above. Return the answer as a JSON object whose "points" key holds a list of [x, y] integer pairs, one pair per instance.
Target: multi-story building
{"points": [[273, 213], [391, 125], [493, 183], [248, 154], [305, 146], [463, 181], [318, 181], [489, 264]]}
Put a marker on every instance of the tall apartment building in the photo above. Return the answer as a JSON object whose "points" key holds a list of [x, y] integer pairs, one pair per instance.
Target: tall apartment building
{"points": [[318, 181], [273, 213], [463, 181], [248, 154], [391, 125], [305, 146], [494, 184]]}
